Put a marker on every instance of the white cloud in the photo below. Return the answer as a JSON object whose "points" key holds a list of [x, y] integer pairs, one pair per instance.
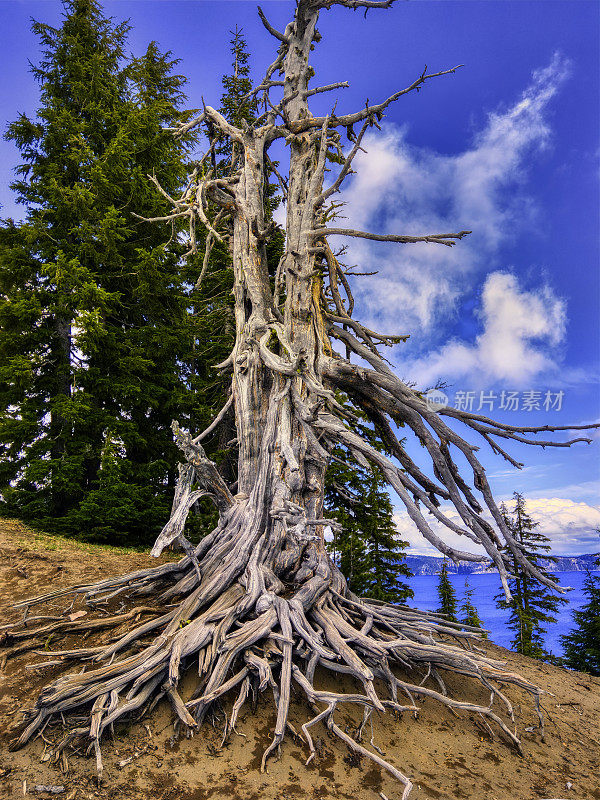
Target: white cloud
{"points": [[401, 188], [583, 489], [408, 532], [571, 526], [519, 327]]}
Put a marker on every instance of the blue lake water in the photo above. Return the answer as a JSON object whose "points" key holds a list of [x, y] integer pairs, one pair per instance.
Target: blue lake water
{"points": [[485, 587]]}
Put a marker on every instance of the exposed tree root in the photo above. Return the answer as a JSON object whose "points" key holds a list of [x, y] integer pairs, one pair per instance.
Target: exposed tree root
{"points": [[252, 636]]}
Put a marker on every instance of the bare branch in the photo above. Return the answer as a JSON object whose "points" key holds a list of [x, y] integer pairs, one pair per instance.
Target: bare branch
{"points": [[344, 171], [270, 28], [354, 4], [235, 134], [215, 422], [375, 111], [329, 88], [183, 127], [176, 215], [206, 470], [449, 239]]}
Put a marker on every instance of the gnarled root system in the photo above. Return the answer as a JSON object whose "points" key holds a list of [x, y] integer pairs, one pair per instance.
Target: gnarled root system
{"points": [[263, 627]]}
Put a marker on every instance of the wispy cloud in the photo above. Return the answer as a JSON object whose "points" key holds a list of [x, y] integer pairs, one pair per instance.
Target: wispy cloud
{"points": [[402, 188]]}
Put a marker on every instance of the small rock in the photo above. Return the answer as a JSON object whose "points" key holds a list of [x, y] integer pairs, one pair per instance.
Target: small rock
{"points": [[49, 789]]}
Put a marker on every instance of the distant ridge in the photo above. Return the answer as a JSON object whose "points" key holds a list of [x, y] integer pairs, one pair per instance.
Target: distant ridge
{"points": [[431, 565]]}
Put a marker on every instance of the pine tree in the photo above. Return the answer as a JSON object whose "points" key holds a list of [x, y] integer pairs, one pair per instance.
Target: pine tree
{"points": [[386, 550], [470, 616], [446, 595], [581, 645], [343, 493], [240, 107], [236, 105], [533, 605], [44, 270], [93, 308], [370, 553]]}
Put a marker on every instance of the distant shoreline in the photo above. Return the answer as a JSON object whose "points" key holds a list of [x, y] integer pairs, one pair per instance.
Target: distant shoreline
{"points": [[431, 565]]}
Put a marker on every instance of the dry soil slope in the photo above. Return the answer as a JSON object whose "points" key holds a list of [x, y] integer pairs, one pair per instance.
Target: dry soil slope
{"points": [[446, 756]]}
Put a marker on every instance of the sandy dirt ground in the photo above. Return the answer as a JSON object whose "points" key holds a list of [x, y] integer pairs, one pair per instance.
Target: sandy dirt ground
{"points": [[448, 757]]}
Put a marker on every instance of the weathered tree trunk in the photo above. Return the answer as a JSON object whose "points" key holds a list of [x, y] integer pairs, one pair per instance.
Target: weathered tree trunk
{"points": [[259, 601]]}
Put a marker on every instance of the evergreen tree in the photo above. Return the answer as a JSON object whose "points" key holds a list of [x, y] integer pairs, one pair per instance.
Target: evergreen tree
{"points": [[446, 595], [343, 493], [240, 108], [369, 553], [581, 645], [533, 605], [236, 106], [93, 307], [469, 613], [375, 516]]}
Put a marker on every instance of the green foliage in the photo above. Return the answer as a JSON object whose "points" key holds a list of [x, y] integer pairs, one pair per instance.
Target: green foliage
{"points": [[93, 303], [236, 107], [446, 595], [469, 614], [581, 645], [533, 605], [368, 550]]}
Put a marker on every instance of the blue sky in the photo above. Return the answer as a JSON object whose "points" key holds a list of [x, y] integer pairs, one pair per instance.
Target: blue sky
{"points": [[508, 147]]}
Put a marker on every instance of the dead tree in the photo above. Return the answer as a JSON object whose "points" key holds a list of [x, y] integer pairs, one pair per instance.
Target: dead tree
{"points": [[258, 603]]}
